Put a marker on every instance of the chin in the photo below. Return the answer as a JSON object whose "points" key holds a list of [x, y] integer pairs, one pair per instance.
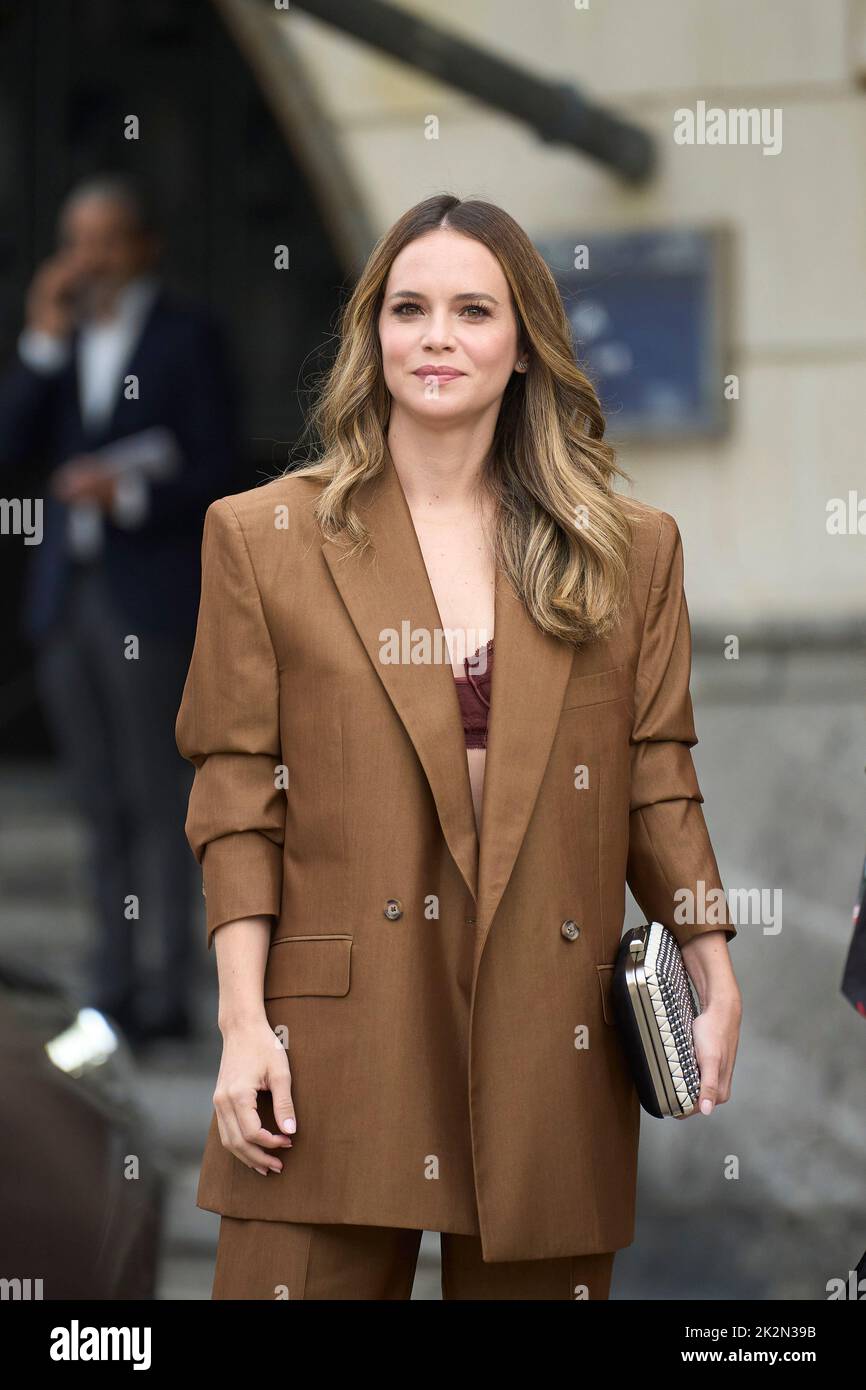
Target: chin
{"points": [[436, 409]]}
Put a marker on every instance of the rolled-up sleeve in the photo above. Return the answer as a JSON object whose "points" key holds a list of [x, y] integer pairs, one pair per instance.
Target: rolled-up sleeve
{"points": [[671, 863], [228, 727]]}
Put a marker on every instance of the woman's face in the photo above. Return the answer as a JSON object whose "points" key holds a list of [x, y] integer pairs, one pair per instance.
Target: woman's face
{"points": [[447, 305]]}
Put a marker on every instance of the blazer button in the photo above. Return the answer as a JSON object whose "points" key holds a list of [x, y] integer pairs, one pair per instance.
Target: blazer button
{"points": [[393, 909], [570, 930]]}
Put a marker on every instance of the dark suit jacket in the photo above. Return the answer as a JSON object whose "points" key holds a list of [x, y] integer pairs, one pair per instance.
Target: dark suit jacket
{"points": [[185, 385]]}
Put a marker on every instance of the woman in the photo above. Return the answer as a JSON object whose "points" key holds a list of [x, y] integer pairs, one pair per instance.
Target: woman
{"points": [[437, 978]]}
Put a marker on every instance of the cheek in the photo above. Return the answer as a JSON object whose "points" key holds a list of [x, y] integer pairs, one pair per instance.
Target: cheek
{"points": [[394, 343], [494, 354]]}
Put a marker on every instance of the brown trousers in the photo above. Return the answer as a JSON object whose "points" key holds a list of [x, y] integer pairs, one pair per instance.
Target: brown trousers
{"points": [[283, 1259]]}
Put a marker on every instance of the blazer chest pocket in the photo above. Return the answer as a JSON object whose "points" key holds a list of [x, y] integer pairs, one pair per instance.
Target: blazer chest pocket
{"points": [[303, 965], [597, 687]]}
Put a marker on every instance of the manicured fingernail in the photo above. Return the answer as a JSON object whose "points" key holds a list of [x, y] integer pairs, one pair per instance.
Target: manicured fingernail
{"points": [[706, 1105], [263, 1171], [290, 1125]]}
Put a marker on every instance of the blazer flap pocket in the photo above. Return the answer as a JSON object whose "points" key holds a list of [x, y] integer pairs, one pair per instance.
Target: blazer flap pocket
{"points": [[605, 980], [594, 687], [300, 965]]}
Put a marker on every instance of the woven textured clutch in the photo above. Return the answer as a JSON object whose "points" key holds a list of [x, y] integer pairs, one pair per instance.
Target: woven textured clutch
{"points": [[655, 1006]]}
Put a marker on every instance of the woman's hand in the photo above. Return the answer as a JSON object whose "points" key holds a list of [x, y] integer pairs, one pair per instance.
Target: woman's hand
{"points": [[253, 1060], [716, 1030], [716, 1033]]}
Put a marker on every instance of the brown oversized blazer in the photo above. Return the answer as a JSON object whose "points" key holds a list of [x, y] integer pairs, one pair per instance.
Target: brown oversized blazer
{"points": [[456, 1064]]}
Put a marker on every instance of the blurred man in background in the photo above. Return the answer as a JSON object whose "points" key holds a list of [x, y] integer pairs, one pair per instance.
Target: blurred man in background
{"points": [[124, 395]]}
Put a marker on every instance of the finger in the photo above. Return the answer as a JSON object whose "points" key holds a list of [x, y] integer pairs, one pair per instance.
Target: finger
{"points": [[269, 1140], [709, 1083], [229, 1138], [247, 1137], [281, 1095], [248, 1152], [252, 1130]]}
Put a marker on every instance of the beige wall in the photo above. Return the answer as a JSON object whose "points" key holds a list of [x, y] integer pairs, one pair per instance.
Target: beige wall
{"points": [[751, 508]]}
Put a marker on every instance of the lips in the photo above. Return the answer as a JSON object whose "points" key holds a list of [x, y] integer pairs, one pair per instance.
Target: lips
{"points": [[440, 373]]}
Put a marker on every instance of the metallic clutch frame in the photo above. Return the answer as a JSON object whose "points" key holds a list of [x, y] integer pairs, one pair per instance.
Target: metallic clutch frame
{"points": [[665, 1042]]}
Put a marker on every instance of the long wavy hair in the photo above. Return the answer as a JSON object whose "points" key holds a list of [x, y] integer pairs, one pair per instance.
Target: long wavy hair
{"points": [[561, 534]]}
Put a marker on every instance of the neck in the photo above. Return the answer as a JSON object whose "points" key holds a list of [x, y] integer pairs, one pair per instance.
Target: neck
{"points": [[105, 305], [440, 471]]}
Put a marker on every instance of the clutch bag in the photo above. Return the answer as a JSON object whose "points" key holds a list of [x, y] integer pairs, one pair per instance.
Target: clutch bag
{"points": [[655, 1006]]}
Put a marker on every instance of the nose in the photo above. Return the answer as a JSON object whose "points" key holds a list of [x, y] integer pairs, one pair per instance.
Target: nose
{"points": [[438, 334]]}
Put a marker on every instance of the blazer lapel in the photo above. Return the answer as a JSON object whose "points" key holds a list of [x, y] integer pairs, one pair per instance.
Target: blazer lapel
{"points": [[530, 673], [530, 669], [391, 591]]}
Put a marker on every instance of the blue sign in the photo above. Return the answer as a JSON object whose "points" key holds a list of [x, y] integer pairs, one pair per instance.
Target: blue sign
{"points": [[648, 313]]}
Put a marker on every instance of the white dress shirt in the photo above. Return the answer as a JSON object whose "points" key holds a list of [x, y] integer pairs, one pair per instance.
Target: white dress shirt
{"points": [[105, 348]]}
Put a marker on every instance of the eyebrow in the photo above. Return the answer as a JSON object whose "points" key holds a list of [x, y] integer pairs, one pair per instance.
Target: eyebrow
{"points": [[416, 294]]}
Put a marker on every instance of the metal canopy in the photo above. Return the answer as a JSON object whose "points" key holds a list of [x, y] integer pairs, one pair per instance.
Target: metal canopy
{"points": [[557, 111]]}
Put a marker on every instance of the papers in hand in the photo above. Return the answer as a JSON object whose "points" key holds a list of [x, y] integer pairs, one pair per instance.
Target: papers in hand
{"points": [[154, 452]]}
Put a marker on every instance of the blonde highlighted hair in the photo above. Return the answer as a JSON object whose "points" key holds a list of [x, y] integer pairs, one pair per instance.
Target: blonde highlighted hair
{"points": [[561, 534]]}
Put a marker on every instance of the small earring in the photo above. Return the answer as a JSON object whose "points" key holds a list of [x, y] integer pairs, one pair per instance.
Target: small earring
{"points": [[521, 366]]}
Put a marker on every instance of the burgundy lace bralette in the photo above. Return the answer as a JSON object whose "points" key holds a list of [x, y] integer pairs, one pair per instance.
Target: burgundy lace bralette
{"points": [[473, 693]]}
